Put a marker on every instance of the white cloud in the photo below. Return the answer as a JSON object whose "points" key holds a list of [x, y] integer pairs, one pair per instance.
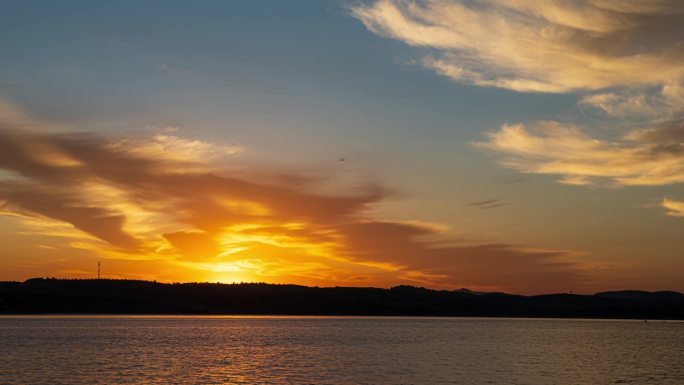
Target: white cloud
{"points": [[539, 46]]}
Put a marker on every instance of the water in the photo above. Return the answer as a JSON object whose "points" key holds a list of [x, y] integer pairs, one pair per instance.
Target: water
{"points": [[217, 350]]}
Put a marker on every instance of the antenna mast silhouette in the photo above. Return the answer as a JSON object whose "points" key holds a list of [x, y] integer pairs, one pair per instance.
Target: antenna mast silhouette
{"points": [[98, 269]]}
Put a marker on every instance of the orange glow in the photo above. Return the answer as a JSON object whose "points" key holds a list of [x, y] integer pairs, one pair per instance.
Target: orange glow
{"points": [[180, 218]]}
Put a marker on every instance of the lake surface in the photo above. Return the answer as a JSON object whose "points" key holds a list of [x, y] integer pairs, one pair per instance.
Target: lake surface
{"points": [[337, 350]]}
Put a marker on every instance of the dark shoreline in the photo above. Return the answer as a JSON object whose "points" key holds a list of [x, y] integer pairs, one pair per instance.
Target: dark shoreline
{"points": [[127, 297]]}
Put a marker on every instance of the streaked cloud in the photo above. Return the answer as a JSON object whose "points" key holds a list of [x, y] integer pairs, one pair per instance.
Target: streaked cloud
{"points": [[653, 156], [665, 103], [674, 207], [166, 200], [488, 204], [170, 147], [622, 105], [538, 46]]}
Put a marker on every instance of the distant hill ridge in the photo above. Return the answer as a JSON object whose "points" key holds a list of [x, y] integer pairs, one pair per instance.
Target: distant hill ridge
{"points": [[642, 295], [105, 296]]}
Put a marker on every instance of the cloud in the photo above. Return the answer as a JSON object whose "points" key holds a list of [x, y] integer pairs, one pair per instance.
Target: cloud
{"points": [[170, 147], [538, 46], [624, 59], [675, 207], [646, 157], [167, 69], [61, 205], [166, 200], [488, 204], [663, 104], [622, 105], [193, 245], [445, 263]]}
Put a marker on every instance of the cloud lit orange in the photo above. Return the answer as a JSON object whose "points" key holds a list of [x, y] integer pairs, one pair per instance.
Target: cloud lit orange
{"points": [[121, 201]]}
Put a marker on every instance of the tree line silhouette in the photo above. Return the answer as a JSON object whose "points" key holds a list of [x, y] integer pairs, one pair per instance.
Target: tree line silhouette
{"points": [[105, 296]]}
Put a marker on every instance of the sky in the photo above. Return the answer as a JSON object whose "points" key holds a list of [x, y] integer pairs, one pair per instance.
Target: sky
{"points": [[499, 145]]}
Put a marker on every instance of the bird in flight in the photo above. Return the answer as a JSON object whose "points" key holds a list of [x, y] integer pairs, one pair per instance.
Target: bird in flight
{"points": [[341, 160]]}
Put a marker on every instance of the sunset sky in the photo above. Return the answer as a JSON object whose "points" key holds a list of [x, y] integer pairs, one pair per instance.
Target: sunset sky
{"points": [[521, 146]]}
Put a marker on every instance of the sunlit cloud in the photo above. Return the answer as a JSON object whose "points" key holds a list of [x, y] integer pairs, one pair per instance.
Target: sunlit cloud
{"points": [[633, 47], [621, 105], [653, 156], [623, 60], [170, 147], [674, 207], [538, 46], [166, 200], [665, 103]]}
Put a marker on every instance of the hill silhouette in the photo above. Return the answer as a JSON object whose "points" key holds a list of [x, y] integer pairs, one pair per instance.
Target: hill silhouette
{"points": [[70, 296]]}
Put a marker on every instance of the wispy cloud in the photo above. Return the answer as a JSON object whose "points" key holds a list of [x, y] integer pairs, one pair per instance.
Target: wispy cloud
{"points": [[653, 156], [674, 207], [488, 204], [170, 147], [624, 59], [665, 103], [173, 71], [539, 46]]}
